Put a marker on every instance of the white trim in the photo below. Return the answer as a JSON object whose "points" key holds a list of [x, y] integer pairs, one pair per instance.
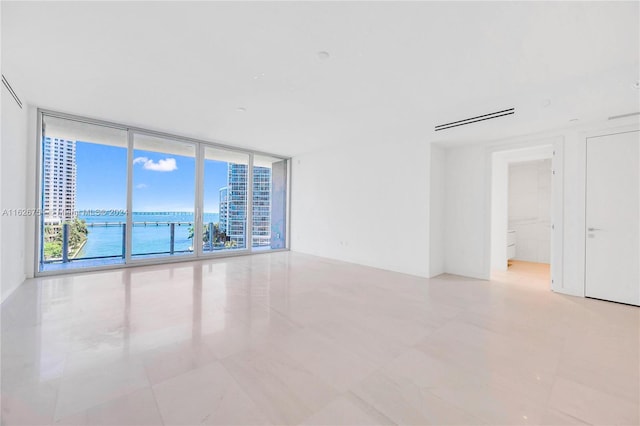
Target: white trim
{"points": [[557, 214], [557, 217], [287, 225], [129, 225], [38, 219], [249, 219], [155, 133], [198, 221]]}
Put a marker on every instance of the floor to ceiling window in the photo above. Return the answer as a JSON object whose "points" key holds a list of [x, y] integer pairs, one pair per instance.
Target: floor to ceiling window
{"points": [[83, 194], [164, 194], [224, 200], [110, 195], [269, 202]]}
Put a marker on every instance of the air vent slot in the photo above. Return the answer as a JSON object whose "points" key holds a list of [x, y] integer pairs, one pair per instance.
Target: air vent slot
{"points": [[10, 89], [472, 120], [631, 114]]}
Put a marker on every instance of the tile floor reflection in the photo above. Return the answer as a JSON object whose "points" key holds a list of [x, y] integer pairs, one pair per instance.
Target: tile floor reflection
{"points": [[286, 338]]}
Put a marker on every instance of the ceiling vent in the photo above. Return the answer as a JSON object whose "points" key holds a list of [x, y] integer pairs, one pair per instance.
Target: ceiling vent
{"points": [[11, 91], [631, 114], [472, 120]]}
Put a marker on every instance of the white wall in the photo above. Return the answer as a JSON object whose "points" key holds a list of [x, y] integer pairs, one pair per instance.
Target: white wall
{"points": [[530, 209], [465, 212], [436, 209], [468, 203], [2, 92], [499, 210], [367, 205], [14, 194]]}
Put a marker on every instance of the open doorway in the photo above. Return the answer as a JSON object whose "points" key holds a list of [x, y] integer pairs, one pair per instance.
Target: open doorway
{"points": [[521, 216]]}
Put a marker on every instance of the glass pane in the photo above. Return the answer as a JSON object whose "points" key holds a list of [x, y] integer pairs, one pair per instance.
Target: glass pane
{"points": [[269, 203], [225, 200], [163, 197], [83, 197]]}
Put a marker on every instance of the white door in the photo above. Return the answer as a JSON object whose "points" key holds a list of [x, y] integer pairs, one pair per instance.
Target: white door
{"points": [[613, 217]]}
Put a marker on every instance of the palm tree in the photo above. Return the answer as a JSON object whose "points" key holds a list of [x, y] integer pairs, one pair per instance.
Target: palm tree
{"points": [[218, 236]]}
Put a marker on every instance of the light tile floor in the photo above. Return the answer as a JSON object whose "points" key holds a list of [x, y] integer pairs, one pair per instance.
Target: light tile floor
{"points": [[286, 338]]}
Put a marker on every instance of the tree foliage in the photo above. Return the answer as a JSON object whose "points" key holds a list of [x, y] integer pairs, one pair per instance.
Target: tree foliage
{"points": [[53, 238], [52, 249], [219, 237]]}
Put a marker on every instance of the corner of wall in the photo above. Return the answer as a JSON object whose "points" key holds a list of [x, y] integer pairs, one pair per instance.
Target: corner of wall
{"points": [[30, 198], [14, 189], [465, 211], [436, 211]]}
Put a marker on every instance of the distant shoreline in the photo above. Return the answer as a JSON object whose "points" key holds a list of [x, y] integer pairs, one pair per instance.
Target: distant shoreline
{"points": [[149, 217], [108, 240]]}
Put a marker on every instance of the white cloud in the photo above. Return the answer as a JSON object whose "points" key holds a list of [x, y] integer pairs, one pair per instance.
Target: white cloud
{"points": [[142, 186], [166, 165]]}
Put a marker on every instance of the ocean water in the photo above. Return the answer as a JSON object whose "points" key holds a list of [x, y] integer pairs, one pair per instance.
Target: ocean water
{"points": [[151, 234]]}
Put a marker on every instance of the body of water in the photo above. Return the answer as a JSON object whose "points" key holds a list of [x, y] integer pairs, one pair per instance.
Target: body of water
{"points": [[154, 237]]}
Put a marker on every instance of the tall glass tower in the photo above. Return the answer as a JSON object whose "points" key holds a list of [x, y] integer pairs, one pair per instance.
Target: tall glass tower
{"points": [[59, 180], [233, 205]]}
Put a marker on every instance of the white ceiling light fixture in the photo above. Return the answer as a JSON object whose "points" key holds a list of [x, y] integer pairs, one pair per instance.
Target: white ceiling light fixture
{"points": [[573, 120], [241, 109], [323, 55], [636, 85]]}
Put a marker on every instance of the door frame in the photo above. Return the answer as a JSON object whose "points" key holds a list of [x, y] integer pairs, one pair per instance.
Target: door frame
{"points": [[557, 205]]}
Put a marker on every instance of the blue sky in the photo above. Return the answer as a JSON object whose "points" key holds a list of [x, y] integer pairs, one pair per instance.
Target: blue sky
{"points": [[161, 182]]}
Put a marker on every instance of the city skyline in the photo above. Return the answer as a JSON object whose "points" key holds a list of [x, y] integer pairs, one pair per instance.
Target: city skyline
{"points": [[154, 189]]}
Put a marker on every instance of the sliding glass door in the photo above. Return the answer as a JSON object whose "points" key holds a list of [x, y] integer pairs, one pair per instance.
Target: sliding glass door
{"points": [[269, 197], [83, 195], [113, 195], [225, 192], [163, 197]]}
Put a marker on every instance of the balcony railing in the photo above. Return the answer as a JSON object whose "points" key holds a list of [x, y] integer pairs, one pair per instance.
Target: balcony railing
{"points": [[72, 254]]}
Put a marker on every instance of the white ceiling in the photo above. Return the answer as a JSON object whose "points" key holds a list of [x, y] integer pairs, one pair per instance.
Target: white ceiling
{"points": [[395, 69]]}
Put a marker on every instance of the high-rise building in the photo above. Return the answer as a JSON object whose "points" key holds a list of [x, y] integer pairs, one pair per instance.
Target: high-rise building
{"points": [[59, 180], [261, 232], [233, 205], [224, 209]]}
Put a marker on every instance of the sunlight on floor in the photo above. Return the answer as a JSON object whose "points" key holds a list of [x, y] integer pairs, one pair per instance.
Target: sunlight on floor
{"points": [[528, 274]]}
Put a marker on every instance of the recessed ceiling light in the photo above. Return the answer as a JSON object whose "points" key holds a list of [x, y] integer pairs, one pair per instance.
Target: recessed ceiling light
{"points": [[636, 85], [258, 76], [573, 120], [241, 109], [323, 55], [546, 102]]}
